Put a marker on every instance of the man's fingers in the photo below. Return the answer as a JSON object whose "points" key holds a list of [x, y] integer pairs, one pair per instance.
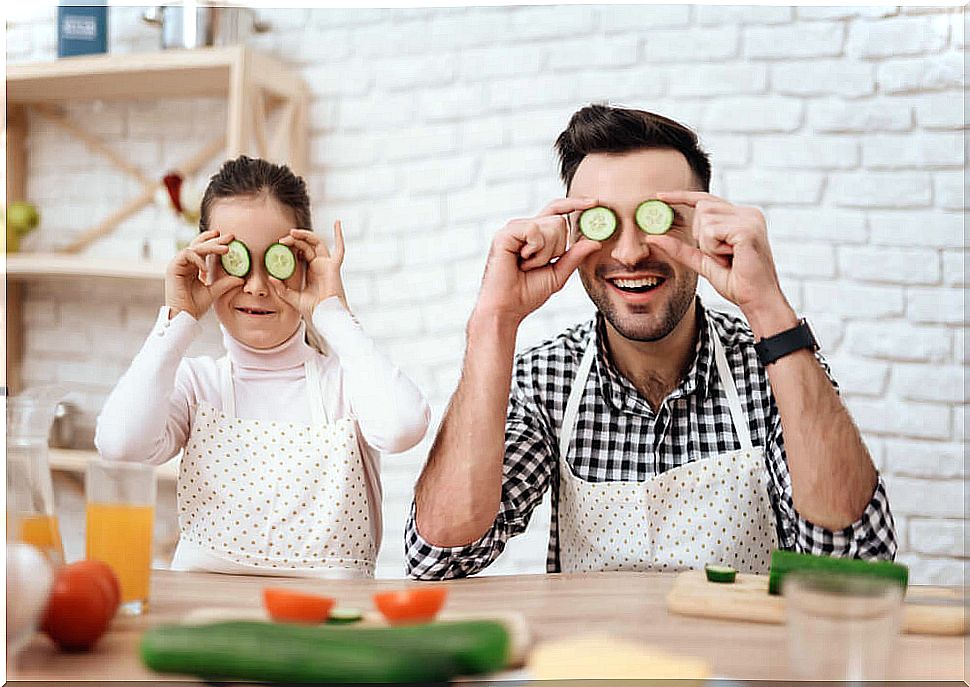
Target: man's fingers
{"points": [[689, 198], [712, 268], [564, 206]]}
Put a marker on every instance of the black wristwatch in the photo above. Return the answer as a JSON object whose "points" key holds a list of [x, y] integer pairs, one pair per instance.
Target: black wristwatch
{"points": [[778, 346]]}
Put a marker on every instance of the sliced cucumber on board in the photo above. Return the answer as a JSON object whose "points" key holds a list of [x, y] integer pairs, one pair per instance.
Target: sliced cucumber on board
{"points": [[597, 224], [345, 616], [720, 573], [654, 216], [237, 261], [280, 261]]}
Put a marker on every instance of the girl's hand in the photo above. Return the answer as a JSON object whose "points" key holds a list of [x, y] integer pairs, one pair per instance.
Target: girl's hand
{"points": [[323, 270], [187, 277]]}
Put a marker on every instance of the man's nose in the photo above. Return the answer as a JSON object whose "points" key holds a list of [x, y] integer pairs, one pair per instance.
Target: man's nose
{"points": [[630, 246]]}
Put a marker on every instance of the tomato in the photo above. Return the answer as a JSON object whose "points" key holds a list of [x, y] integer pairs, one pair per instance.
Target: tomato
{"points": [[80, 607], [417, 605], [108, 578], [287, 606]]}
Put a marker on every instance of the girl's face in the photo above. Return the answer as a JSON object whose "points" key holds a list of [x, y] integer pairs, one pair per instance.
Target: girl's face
{"points": [[252, 313]]}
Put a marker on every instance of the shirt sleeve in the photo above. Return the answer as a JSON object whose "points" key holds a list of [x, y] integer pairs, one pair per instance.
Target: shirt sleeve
{"points": [[147, 416], [392, 413], [526, 474], [872, 536]]}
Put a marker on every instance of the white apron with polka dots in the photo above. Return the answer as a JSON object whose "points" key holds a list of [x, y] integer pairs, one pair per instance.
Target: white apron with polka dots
{"points": [[713, 510], [275, 497]]}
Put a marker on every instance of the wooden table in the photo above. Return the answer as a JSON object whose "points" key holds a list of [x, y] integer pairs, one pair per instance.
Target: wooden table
{"points": [[625, 604]]}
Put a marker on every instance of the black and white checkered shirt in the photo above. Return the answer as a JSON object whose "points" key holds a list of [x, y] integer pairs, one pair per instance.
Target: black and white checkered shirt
{"points": [[619, 437]]}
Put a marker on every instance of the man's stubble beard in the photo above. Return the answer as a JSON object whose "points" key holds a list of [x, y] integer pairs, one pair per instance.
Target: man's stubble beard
{"points": [[643, 326]]}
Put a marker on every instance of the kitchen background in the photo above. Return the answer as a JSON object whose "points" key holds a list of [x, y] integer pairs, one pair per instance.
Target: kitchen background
{"points": [[429, 128]]}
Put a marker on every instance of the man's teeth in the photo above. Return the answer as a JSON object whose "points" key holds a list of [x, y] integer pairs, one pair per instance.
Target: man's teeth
{"points": [[636, 283]]}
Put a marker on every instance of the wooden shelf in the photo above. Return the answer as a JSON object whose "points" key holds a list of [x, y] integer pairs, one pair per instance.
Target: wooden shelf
{"points": [[75, 461], [163, 74], [259, 91], [24, 266]]}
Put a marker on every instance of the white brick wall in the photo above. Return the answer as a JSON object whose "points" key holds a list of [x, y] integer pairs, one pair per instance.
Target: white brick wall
{"points": [[432, 127]]}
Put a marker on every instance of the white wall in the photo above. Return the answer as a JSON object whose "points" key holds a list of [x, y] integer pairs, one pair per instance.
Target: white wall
{"points": [[432, 127]]}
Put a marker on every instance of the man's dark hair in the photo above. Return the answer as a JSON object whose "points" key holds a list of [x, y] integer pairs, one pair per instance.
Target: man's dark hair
{"points": [[247, 176], [606, 129]]}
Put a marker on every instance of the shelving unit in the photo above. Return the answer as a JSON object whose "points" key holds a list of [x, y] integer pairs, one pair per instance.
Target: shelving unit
{"points": [[256, 88]]}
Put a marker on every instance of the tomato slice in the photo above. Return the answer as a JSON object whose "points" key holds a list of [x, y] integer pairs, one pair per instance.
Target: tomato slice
{"points": [[411, 605], [288, 606]]}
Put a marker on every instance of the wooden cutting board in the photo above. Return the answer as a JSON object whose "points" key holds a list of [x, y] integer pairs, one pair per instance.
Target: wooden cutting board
{"points": [[927, 610]]}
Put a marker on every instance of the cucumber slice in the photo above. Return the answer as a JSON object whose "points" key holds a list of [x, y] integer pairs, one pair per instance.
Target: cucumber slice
{"points": [[280, 261], [344, 616], [654, 216], [237, 261], [597, 224], [720, 573]]}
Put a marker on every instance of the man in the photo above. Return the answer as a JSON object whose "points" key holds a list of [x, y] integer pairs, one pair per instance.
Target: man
{"points": [[669, 439]]}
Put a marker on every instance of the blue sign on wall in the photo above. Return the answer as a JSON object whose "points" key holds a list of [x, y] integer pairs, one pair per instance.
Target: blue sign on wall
{"points": [[82, 30]]}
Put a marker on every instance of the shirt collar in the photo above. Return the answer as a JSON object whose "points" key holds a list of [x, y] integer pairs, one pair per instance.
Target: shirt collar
{"points": [[620, 392], [291, 353]]}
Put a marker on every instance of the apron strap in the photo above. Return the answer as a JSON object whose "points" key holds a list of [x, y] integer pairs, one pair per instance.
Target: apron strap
{"points": [[738, 416], [575, 395], [225, 386], [318, 409]]}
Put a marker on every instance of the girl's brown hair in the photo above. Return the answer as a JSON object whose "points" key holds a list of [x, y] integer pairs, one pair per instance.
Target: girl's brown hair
{"points": [[246, 176]]}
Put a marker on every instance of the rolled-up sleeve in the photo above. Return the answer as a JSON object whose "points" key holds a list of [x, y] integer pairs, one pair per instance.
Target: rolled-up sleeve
{"points": [[872, 536], [529, 457]]}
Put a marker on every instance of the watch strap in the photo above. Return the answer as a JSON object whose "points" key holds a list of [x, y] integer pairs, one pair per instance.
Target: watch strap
{"points": [[772, 348]]}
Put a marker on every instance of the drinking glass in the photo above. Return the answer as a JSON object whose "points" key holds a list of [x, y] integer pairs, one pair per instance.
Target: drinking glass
{"points": [[841, 627], [120, 518]]}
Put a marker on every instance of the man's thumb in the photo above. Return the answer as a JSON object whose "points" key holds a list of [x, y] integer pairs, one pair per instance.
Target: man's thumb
{"points": [[573, 258]]}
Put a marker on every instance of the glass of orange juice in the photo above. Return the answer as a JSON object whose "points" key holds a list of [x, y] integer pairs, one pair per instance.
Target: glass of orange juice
{"points": [[120, 519]]}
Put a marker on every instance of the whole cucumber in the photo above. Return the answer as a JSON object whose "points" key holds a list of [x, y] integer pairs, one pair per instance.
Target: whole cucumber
{"points": [[265, 651], [478, 646]]}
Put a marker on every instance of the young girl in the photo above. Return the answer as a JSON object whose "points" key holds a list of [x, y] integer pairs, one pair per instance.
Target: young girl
{"points": [[280, 442]]}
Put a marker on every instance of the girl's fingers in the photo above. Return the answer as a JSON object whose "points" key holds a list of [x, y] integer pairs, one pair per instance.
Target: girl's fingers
{"points": [[338, 241], [319, 246], [301, 246], [223, 284]]}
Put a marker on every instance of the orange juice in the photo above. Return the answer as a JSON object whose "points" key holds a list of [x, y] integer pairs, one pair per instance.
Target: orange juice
{"points": [[41, 531], [120, 534]]}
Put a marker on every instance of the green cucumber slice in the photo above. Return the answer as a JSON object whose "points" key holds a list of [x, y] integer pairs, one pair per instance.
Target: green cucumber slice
{"points": [[654, 216], [597, 224], [344, 616], [720, 573], [237, 261], [280, 261]]}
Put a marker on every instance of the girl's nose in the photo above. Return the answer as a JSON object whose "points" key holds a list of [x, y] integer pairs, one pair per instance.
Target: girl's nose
{"points": [[256, 283], [630, 246]]}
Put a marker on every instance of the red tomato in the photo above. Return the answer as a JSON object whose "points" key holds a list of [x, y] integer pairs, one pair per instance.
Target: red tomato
{"points": [[108, 578], [417, 605], [80, 607], [287, 606]]}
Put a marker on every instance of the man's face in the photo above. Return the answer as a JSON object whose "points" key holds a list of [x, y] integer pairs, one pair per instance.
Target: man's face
{"points": [[641, 292]]}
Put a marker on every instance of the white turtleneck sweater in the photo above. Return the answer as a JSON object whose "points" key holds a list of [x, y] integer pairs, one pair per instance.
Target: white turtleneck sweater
{"points": [[149, 414]]}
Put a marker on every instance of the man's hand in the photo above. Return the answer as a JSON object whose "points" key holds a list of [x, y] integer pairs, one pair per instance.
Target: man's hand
{"points": [[733, 255], [519, 274]]}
